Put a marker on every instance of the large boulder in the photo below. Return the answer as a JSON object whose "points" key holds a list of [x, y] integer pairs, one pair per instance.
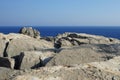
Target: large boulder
{"points": [[45, 56], [7, 62], [33, 59], [30, 32], [26, 44], [85, 54]]}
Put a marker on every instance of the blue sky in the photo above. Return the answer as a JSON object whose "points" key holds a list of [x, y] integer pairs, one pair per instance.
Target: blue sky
{"points": [[59, 12]]}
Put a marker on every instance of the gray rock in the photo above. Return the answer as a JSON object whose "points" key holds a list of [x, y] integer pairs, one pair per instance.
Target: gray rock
{"points": [[76, 39], [30, 60], [34, 59], [2, 47], [30, 32], [7, 62], [79, 72], [83, 54], [26, 44], [48, 38], [6, 73], [105, 70], [26, 77]]}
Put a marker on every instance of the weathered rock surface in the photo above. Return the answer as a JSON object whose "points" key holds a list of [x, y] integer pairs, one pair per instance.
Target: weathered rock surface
{"points": [[84, 54], [26, 44], [76, 39], [78, 57], [7, 74], [110, 65], [76, 72], [11, 36], [48, 38], [7, 62], [30, 60], [6, 38], [2, 47], [30, 32], [26, 77], [33, 59]]}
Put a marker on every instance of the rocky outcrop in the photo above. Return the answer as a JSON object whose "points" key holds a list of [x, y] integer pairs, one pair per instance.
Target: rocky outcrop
{"points": [[110, 65], [76, 39], [30, 32], [85, 54], [7, 62], [76, 72], [68, 56]]}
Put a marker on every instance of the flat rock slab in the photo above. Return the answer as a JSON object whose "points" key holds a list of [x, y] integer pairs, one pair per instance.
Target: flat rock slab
{"points": [[83, 54], [7, 62]]}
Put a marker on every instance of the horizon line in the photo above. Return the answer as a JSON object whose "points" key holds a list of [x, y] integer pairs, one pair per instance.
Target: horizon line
{"points": [[59, 26]]}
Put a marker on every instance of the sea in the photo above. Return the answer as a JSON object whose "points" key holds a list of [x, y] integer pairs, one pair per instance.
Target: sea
{"points": [[107, 31]]}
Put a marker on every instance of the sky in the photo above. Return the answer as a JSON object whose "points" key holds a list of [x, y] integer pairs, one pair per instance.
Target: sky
{"points": [[59, 12]]}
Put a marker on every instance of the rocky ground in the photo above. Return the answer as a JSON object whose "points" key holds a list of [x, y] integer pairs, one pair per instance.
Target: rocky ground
{"points": [[69, 56]]}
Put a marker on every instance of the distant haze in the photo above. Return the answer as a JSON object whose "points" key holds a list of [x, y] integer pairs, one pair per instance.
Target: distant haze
{"points": [[59, 12]]}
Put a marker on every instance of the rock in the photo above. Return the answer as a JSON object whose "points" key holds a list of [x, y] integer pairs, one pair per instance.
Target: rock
{"points": [[79, 57], [76, 39], [26, 77], [76, 72], [45, 56], [87, 71], [11, 36], [2, 47], [30, 77], [62, 43], [57, 44], [111, 65], [26, 44], [7, 74], [48, 38], [7, 62], [30, 32], [29, 60], [84, 54], [34, 59]]}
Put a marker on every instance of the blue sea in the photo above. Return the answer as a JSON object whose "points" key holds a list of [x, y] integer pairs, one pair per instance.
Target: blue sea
{"points": [[113, 32]]}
